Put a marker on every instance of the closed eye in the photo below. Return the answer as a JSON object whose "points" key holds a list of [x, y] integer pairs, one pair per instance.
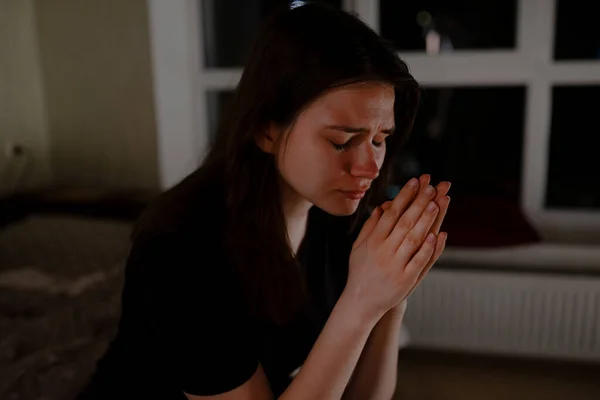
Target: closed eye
{"points": [[341, 147], [346, 145]]}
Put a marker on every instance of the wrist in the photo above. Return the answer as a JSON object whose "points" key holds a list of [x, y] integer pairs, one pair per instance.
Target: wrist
{"points": [[399, 309], [394, 316], [358, 310]]}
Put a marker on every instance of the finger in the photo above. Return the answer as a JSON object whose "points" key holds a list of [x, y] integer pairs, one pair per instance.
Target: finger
{"points": [[424, 180], [368, 227], [443, 205], [420, 260], [440, 244], [386, 205], [442, 189], [410, 218], [413, 240], [396, 209]]}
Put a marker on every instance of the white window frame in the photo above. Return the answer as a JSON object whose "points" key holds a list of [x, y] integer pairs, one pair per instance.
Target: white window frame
{"points": [[181, 82]]}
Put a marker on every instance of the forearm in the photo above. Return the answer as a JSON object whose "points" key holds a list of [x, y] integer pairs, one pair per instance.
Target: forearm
{"points": [[328, 368], [376, 372]]}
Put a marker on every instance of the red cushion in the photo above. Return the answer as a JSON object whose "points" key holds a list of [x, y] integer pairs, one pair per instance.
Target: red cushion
{"points": [[486, 221]]}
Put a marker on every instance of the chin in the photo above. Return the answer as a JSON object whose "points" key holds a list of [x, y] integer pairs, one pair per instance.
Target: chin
{"points": [[340, 208]]}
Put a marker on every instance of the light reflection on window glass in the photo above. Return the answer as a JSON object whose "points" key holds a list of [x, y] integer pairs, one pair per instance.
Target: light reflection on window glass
{"points": [[440, 26]]}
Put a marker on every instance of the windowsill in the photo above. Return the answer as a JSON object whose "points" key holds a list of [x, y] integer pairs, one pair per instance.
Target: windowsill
{"points": [[544, 256], [571, 236]]}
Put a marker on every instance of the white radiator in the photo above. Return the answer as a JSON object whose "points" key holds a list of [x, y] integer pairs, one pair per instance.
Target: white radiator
{"points": [[503, 312]]}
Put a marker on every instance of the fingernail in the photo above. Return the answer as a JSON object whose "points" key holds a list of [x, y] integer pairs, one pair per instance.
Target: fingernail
{"points": [[448, 199], [431, 207], [431, 238], [413, 183], [429, 191]]}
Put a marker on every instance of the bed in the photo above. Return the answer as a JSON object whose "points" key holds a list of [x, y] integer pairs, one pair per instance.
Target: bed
{"points": [[60, 284]]}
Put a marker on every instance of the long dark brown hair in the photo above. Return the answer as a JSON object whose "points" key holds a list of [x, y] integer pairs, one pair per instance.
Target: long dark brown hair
{"points": [[298, 55]]}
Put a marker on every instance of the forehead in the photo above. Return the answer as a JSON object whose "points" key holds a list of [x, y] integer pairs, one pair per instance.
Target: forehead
{"points": [[363, 100]]}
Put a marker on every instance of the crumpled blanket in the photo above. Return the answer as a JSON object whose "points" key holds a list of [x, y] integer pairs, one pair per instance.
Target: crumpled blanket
{"points": [[60, 291]]}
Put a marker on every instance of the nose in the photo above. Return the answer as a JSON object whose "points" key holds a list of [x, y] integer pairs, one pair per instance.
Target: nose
{"points": [[364, 164]]}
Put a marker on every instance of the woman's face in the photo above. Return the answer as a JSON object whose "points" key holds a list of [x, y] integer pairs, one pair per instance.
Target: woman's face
{"points": [[337, 146]]}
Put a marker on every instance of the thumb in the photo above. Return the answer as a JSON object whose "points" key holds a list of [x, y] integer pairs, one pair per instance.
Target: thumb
{"points": [[368, 227]]}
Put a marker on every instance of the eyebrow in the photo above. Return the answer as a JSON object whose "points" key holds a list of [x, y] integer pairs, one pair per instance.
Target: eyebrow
{"points": [[351, 129]]}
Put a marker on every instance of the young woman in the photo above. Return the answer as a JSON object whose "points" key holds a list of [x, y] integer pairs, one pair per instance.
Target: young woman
{"points": [[257, 277]]}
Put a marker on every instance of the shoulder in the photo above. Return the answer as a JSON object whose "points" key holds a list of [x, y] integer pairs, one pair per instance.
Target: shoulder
{"points": [[194, 207], [179, 237]]}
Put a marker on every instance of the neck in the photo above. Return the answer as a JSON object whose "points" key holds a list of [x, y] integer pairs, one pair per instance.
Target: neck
{"points": [[295, 209]]}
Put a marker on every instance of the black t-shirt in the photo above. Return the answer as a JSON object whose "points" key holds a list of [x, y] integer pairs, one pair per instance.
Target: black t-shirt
{"points": [[184, 325]]}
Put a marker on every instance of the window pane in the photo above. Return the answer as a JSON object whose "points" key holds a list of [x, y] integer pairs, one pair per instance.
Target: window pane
{"points": [[573, 170], [470, 136], [229, 27], [447, 25], [217, 103], [577, 33]]}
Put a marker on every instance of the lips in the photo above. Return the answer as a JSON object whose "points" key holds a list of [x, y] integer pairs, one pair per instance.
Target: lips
{"points": [[354, 194]]}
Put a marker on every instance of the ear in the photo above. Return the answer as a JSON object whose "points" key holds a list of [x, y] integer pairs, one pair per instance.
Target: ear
{"points": [[266, 139]]}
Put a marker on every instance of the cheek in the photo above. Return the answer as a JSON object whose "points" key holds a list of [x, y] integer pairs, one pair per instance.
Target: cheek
{"points": [[324, 163], [380, 158], [306, 156]]}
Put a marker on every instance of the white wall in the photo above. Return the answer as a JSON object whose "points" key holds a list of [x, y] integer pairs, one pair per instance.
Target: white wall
{"points": [[99, 93], [22, 111]]}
